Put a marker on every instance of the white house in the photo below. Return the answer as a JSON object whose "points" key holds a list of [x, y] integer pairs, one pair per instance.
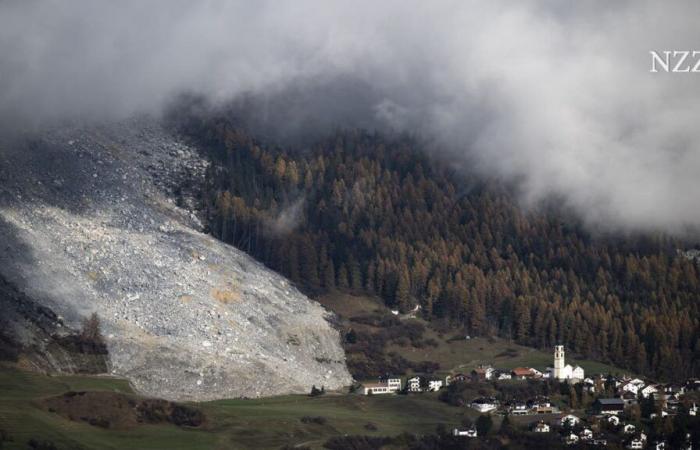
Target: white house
{"points": [[541, 427], [503, 375], [466, 433], [536, 373], [540, 402], [483, 373], [630, 387], [484, 404], [394, 383], [649, 390], [693, 410], [614, 420], [628, 428], [562, 371], [586, 434], [518, 409], [570, 419], [633, 385], [571, 439], [384, 386], [414, 384], [434, 385], [635, 444], [654, 415], [376, 388]]}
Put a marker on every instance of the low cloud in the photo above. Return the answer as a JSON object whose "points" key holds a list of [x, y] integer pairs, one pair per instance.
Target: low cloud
{"points": [[554, 96], [287, 219]]}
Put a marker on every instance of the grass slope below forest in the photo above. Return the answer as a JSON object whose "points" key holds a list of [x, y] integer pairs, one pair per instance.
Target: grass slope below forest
{"points": [[231, 424]]}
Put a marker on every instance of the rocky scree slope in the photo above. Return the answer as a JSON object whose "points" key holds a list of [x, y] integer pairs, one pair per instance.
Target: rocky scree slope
{"points": [[101, 219]]}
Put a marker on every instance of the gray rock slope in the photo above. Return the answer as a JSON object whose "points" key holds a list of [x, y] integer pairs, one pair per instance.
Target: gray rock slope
{"points": [[89, 221]]}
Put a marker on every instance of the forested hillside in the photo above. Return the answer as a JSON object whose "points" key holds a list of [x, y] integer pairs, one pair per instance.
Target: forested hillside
{"points": [[360, 212]]}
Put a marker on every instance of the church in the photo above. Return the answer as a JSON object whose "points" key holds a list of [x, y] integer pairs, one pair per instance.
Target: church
{"points": [[562, 372]]}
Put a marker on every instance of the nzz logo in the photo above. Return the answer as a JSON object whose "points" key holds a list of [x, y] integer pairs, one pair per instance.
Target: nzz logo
{"points": [[679, 61]]}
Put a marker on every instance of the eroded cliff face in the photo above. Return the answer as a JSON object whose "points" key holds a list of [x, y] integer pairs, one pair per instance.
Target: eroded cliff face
{"points": [[101, 219]]}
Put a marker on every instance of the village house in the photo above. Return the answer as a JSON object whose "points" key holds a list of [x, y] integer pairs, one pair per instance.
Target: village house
{"points": [[471, 433], [614, 420], [629, 398], [586, 434], [630, 387], [502, 375], [484, 404], [540, 405], [693, 384], [571, 439], [628, 428], [413, 384], [459, 377], [482, 373], [541, 409], [386, 385], [418, 384], [539, 402], [434, 385], [570, 419], [376, 388], [649, 390], [589, 385], [660, 445], [541, 427], [633, 385], [654, 415], [673, 388], [394, 383], [609, 406], [635, 444], [518, 408], [522, 373]]}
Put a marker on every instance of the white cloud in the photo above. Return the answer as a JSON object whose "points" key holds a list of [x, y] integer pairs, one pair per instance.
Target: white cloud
{"points": [[556, 96]]}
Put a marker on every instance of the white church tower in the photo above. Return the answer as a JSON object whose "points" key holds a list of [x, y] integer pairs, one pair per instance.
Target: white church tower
{"points": [[559, 371], [562, 371]]}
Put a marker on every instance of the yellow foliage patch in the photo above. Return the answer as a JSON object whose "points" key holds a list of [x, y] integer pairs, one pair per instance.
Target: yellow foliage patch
{"points": [[225, 296]]}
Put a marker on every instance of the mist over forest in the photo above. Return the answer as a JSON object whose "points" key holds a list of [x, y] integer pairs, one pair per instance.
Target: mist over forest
{"points": [[557, 100]]}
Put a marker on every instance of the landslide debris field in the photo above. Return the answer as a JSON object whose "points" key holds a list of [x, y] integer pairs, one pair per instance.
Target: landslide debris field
{"points": [[104, 219]]}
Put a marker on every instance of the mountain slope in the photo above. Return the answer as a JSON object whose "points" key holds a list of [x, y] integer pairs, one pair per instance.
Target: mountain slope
{"points": [[372, 213], [89, 221]]}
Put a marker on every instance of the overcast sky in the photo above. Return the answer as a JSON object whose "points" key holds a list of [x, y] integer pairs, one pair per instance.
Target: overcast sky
{"points": [[556, 96]]}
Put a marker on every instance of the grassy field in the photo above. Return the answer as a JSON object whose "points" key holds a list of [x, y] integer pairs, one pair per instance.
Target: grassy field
{"points": [[464, 355], [231, 424], [271, 422], [459, 355], [23, 418]]}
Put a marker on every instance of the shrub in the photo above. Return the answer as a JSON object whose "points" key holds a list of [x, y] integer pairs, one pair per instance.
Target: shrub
{"points": [[318, 420], [315, 392]]}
